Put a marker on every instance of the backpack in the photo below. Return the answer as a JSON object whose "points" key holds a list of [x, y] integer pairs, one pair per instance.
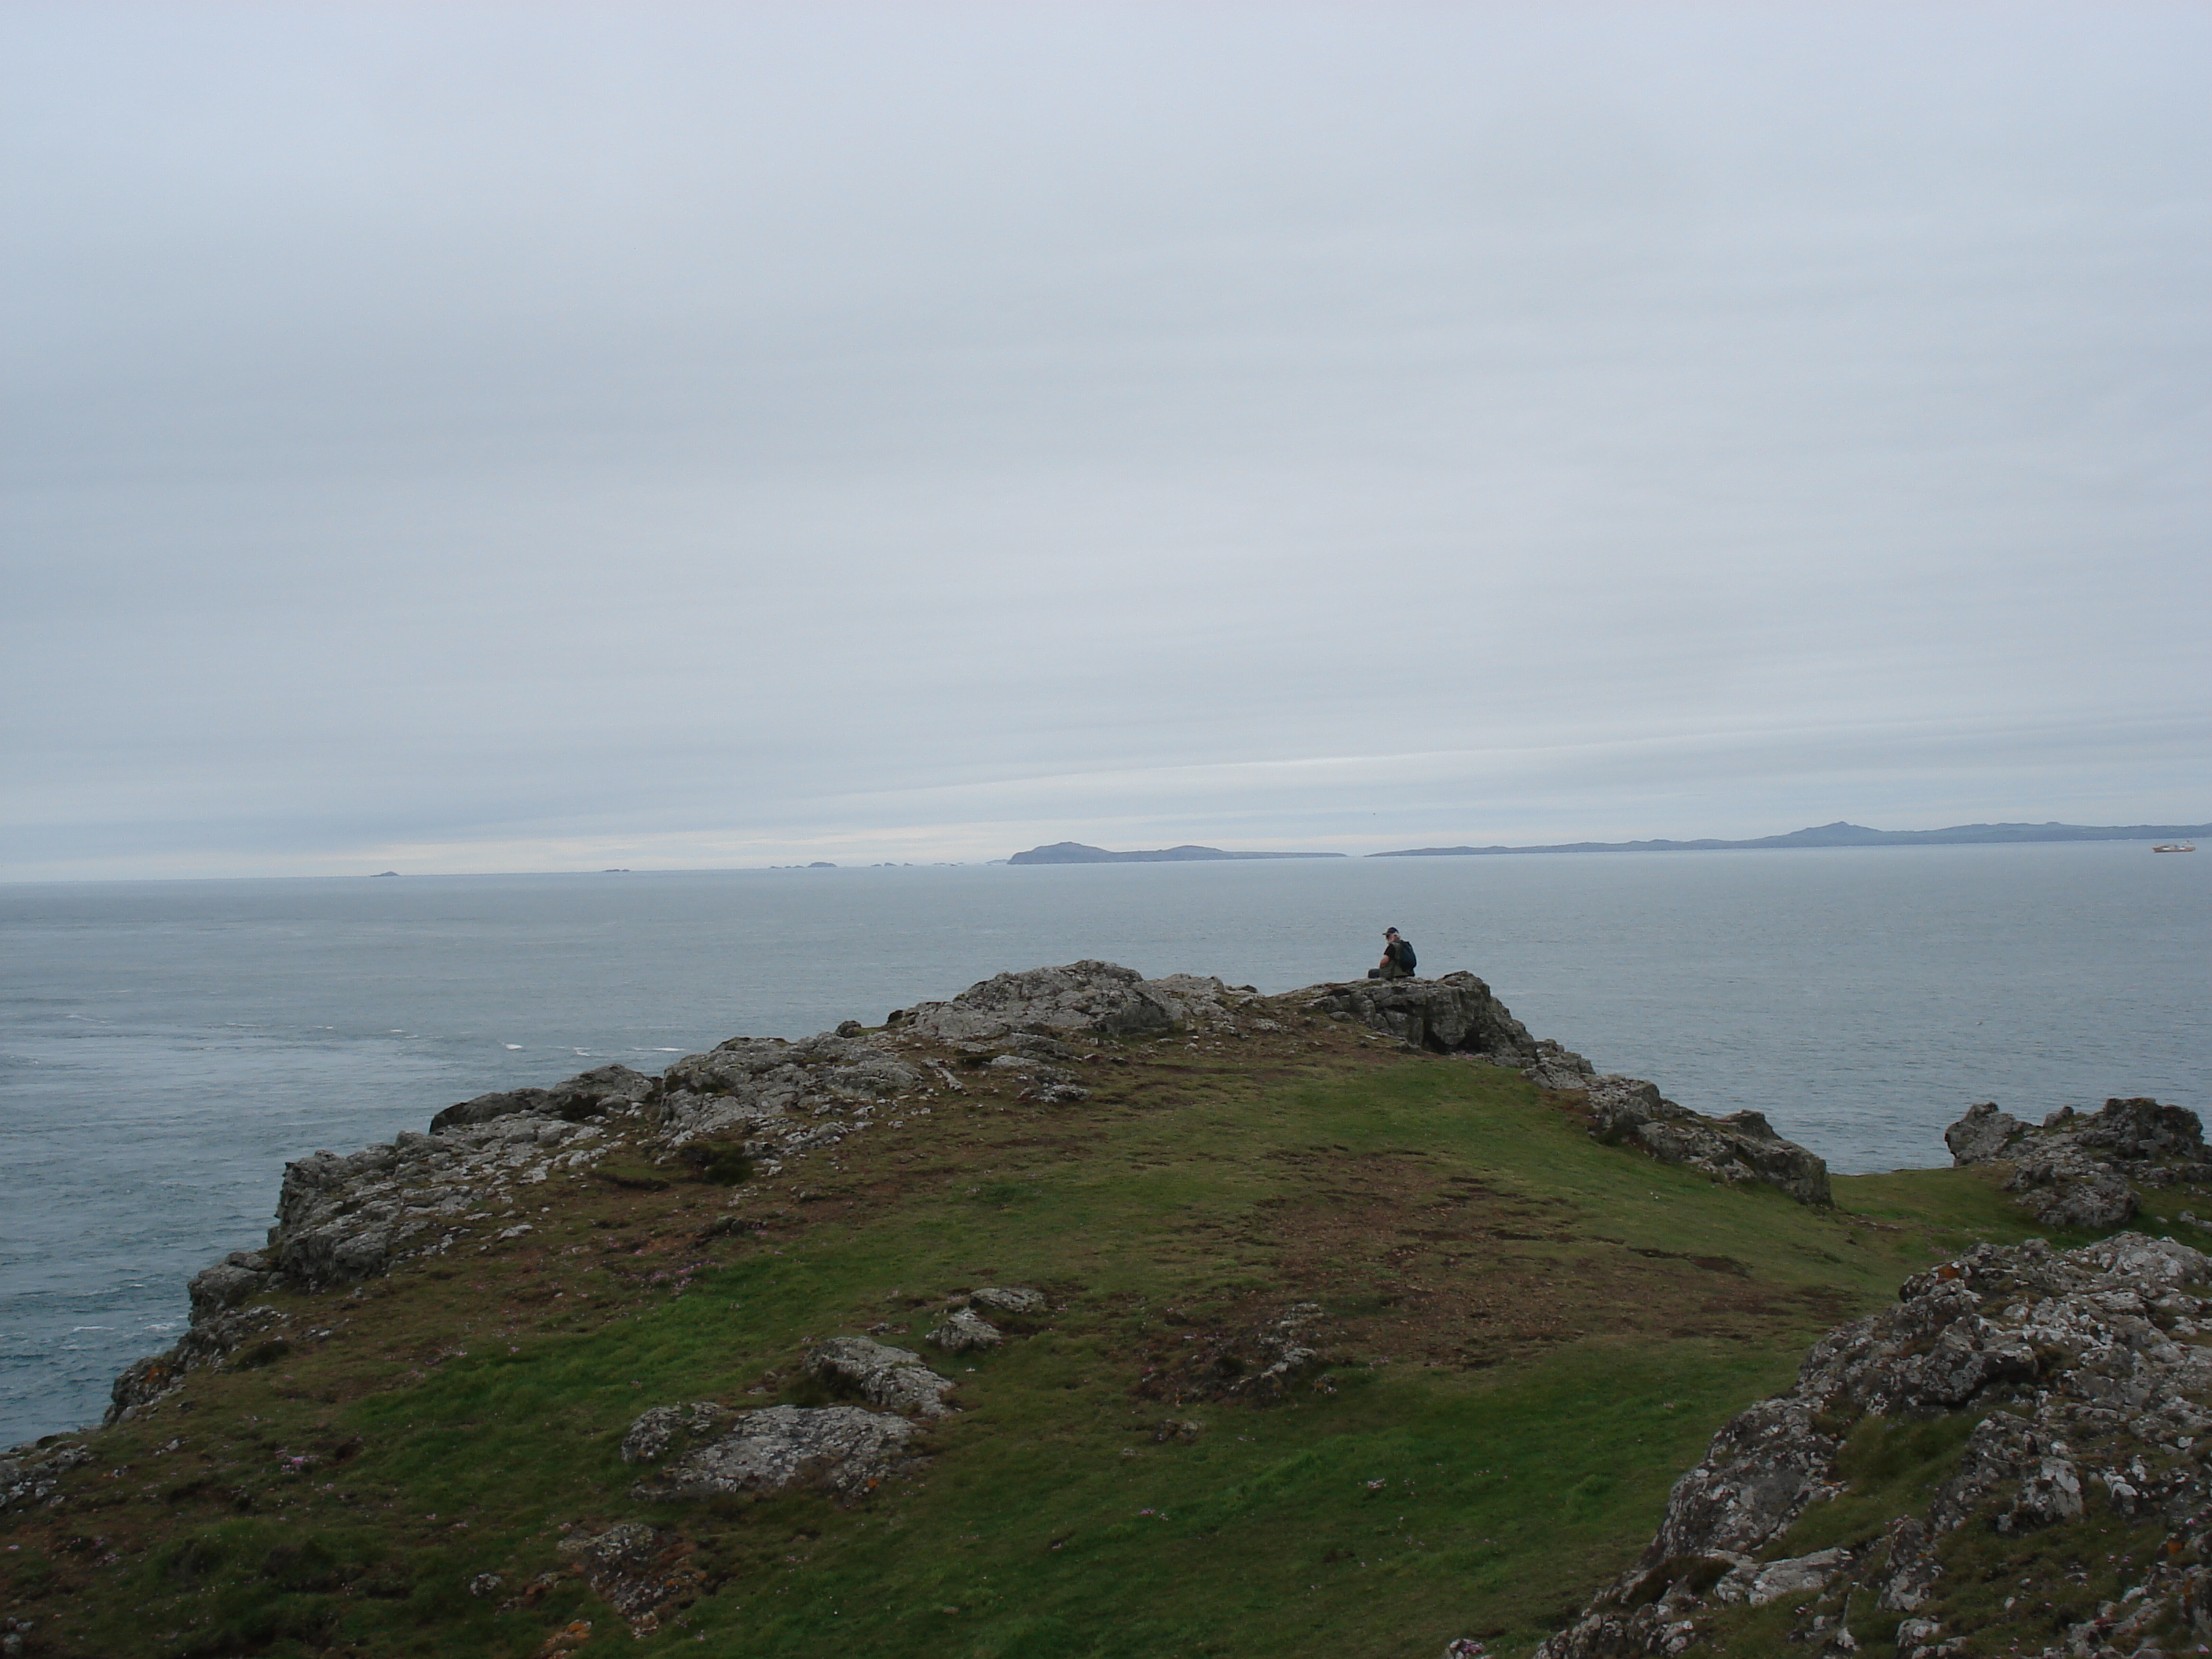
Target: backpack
{"points": [[1406, 956]]}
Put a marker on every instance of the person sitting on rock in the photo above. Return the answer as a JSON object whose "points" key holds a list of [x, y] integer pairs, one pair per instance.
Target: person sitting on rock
{"points": [[1397, 957]]}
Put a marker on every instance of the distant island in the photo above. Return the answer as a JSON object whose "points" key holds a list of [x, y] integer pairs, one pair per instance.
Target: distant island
{"points": [[1838, 834], [1074, 852]]}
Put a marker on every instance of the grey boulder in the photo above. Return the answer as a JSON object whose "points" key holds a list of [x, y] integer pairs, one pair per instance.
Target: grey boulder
{"points": [[1559, 1067], [840, 1450], [1984, 1135], [1455, 1014], [964, 1331], [643, 1574], [2079, 1170], [1092, 996], [662, 1429], [891, 1379], [2092, 1351], [237, 1277], [586, 1094], [2062, 1187], [1740, 1147], [1010, 1299], [30, 1473]]}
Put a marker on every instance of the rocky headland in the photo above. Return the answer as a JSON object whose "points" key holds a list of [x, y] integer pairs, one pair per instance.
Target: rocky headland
{"points": [[1396, 1202]]}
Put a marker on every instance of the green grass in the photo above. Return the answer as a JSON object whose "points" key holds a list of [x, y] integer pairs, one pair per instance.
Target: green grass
{"points": [[1530, 1337]]}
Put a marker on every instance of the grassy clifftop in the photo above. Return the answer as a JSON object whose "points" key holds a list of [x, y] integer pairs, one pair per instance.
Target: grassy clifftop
{"points": [[1527, 1336]]}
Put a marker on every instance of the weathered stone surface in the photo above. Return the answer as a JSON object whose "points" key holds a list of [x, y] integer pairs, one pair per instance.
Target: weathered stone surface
{"points": [[1455, 1014], [643, 1574], [29, 1474], [841, 1450], [2091, 1355], [1061, 1091], [482, 1109], [1013, 1300], [1984, 1135], [2063, 1187], [1557, 1066], [892, 1379], [1201, 1003], [1082, 996], [584, 1096], [663, 1428], [964, 1331], [2138, 1130], [780, 1097], [2079, 1171], [1761, 1582], [237, 1277], [1740, 1147], [340, 1219]]}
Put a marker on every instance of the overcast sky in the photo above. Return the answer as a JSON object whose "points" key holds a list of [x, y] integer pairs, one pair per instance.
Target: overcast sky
{"points": [[490, 437]]}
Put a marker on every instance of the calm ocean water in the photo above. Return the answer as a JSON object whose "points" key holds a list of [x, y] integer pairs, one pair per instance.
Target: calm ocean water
{"points": [[166, 1046]]}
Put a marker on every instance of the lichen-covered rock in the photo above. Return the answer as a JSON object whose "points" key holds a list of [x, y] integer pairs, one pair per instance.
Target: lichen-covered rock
{"points": [[662, 1429], [2079, 1170], [1740, 1147], [1984, 1135], [1559, 1067], [2136, 1131], [642, 1573], [29, 1474], [1455, 1014], [780, 1097], [788, 1076], [964, 1331], [840, 1450], [2062, 1187], [1094, 996], [237, 1277], [1012, 1300], [2089, 1356], [586, 1094], [892, 1379], [1760, 1581], [339, 1219], [1201, 1003]]}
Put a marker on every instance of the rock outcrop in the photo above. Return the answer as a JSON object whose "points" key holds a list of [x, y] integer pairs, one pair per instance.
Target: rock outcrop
{"points": [[642, 1572], [1740, 1147], [1454, 1014], [587, 1095], [340, 1219], [964, 1331], [1557, 1066], [1083, 996], [891, 1379], [30, 1473], [2079, 1170], [751, 1103], [843, 1450], [2083, 1372], [1008, 1301]]}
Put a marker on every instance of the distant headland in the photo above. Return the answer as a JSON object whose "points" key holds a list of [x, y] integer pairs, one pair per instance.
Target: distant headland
{"points": [[1074, 852], [1840, 834]]}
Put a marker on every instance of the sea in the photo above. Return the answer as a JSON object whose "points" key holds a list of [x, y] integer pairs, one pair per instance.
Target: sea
{"points": [[165, 1046]]}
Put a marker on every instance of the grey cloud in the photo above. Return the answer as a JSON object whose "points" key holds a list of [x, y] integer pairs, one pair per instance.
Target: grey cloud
{"points": [[738, 429]]}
